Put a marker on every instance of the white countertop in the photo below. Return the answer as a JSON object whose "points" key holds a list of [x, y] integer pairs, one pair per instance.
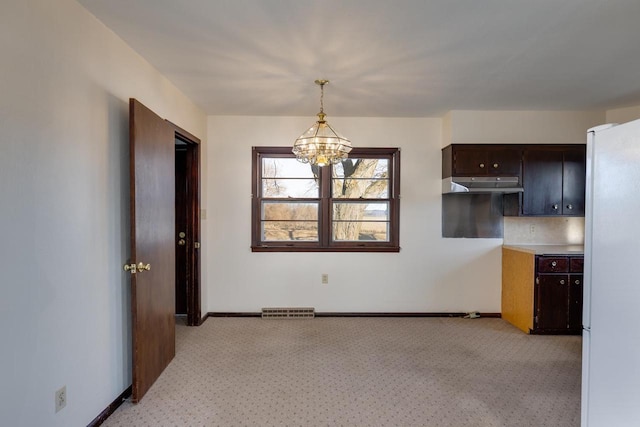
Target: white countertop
{"points": [[548, 249]]}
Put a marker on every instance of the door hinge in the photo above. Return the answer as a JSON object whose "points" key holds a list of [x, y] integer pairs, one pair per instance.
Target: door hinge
{"points": [[535, 319], [196, 245], [537, 280]]}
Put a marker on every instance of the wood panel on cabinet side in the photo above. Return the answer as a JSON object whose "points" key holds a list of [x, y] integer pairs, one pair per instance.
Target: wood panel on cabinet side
{"points": [[518, 272]]}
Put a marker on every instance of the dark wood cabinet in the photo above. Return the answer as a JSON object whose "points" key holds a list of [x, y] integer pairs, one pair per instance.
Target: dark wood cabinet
{"points": [[558, 295], [481, 160], [554, 180]]}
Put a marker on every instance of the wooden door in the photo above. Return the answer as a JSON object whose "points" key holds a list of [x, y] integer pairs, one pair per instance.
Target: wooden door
{"points": [[575, 302], [552, 302], [152, 245], [470, 161], [574, 180], [542, 180], [181, 203]]}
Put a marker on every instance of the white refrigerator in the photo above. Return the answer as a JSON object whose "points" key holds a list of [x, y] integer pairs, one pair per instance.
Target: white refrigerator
{"points": [[611, 316]]}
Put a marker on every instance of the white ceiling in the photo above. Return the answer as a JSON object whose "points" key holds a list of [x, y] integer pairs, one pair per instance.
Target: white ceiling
{"points": [[385, 58]]}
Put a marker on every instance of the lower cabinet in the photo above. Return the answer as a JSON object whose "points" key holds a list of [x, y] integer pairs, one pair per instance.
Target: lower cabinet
{"points": [[558, 295], [542, 294]]}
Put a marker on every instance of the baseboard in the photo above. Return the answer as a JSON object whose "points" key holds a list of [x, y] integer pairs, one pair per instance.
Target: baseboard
{"points": [[110, 409], [356, 314]]}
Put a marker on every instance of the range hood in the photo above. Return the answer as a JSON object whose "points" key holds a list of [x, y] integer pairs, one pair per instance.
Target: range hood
{"points": [[481, 184]]}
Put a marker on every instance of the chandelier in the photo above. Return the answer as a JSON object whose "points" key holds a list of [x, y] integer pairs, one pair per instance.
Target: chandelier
{"points": [[321, 144]]}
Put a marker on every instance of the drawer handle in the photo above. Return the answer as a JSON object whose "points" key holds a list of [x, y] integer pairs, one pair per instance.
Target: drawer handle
{"points": [[553, 263], [569, 206], [481, 165], [495, 166], [562, 282]]}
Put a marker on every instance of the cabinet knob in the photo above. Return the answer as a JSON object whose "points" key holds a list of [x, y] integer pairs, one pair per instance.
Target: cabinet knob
{"points": [[555, 207], [495, 166], [569, 206], [481, 165], [577, 282], [554, 263], [562, 281]]}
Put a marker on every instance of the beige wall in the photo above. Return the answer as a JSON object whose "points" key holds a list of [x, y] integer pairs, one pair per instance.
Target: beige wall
{"points": [[623, 115], [520, 127], [430, 274], [64, 166]]}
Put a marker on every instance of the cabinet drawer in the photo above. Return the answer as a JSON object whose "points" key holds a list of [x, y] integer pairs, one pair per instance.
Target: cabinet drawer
{"points": [[553, 264], [576, 264]]}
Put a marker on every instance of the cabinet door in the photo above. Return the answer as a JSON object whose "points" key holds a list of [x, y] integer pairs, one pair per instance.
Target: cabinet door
{"points": [[573, 184], [504, 162], [542, 180], [552, 300], [470, 161], [575, 302]]}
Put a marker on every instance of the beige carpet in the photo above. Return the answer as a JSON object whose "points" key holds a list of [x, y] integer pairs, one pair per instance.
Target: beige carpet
{"points": [[363, 372]]}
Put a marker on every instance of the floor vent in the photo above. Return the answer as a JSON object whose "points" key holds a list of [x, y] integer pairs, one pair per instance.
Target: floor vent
{"points": [[288, 313]]}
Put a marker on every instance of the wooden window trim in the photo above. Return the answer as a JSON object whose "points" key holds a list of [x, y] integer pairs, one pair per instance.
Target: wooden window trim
{"points": [[324, 243]]}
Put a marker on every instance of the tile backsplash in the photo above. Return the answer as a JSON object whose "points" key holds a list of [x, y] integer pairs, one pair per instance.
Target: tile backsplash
{"points": [[544, 230]]}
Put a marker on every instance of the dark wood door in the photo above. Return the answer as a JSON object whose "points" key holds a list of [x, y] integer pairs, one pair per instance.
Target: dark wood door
{"points": [[574, 179], [152, 245], [552, 301], [575, 302], [505, 161], [471, 161], [181, 238], [542, 180]]}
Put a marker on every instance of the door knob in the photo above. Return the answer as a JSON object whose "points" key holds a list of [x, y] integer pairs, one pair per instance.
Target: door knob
{"points": [[481, 165], [495, 166], [182, 242], [182, 235], [562, 282], [131, 268], [142, 267], [553, 263], [569, 206], [577, 282], [555, 207]]}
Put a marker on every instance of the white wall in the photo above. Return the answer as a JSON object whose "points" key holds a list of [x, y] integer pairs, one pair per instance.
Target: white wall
{"points": [[64, 310], [429, 274]]}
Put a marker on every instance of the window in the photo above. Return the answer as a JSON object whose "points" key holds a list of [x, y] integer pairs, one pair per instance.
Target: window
{"points": [[351, 206]]}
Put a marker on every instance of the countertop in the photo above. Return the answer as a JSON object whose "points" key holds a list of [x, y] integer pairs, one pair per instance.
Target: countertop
{"points": [[548, 249]]}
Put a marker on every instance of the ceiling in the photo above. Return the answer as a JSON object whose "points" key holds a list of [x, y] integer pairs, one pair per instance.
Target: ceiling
{"points": [[402, 58]]}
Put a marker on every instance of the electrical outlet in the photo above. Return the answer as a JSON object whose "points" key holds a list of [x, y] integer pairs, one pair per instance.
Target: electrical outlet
{"points": [[532, 229], [61, 398], [325, 279]]}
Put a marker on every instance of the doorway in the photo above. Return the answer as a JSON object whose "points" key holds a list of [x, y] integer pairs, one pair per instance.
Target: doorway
{"points": [[187, 227]]}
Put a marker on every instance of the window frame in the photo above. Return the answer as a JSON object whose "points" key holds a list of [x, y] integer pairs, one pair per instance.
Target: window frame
{"points": [[325, 199]]}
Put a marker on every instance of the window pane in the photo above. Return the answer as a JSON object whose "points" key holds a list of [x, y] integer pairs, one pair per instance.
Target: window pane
{"points": [[362, 168], [296, 188], [367, 188], [356, 221], [278, 231], [273, 167], [289, 211], [360, 211], [361, 178], [349, 231]]}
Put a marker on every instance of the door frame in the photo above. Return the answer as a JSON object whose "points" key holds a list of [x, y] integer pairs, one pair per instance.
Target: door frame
{"points": [[194, 317]]}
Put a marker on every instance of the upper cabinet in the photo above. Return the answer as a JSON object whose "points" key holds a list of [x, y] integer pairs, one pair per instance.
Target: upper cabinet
{"points": [[481, 160], [554, 180]]}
